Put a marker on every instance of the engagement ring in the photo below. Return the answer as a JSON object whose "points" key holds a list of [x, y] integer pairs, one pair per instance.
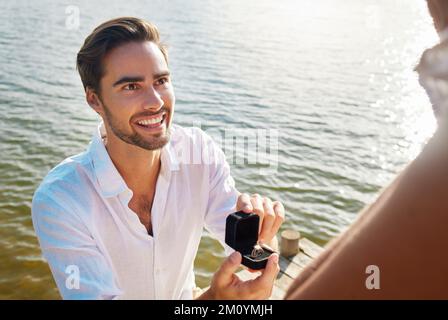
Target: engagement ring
{"points": [[257, 251]]}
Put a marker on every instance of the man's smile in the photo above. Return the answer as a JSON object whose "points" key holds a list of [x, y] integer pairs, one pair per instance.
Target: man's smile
{"points": [[151, 123]]}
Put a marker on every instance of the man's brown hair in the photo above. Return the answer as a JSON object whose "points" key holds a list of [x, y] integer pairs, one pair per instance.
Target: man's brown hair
{"points": [[108, 36]]}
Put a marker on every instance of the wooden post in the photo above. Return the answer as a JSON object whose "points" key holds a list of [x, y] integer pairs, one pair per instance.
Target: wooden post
{"points": [[290, 243]]}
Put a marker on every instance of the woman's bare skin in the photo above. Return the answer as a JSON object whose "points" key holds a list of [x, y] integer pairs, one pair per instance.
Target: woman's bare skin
{"points": [[404, 232]]}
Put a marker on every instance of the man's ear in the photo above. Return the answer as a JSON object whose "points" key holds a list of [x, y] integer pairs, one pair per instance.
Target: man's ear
{"points": [[94, 101]]}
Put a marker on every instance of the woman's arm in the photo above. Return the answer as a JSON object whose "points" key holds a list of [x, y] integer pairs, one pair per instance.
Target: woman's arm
{"points": [[335, 243], [403, 233]]}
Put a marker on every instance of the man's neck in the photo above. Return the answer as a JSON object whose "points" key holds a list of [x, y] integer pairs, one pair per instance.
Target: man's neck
{"points": [[138, 167]]}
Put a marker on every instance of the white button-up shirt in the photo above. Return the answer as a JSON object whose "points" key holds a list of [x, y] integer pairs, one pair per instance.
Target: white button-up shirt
{"points": [[96, 246]]}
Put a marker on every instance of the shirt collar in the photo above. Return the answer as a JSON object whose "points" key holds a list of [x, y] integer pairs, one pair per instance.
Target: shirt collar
{"points": [[110, 181]]}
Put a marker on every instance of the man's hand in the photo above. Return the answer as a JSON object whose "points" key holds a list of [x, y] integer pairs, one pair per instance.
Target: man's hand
{"points": [[271, 213], [226, 285]]}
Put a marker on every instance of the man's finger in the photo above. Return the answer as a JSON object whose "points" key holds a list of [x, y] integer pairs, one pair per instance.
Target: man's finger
{"points": [[268, 221], [267, 278], [244, 203], [272, 269], [257, 204], [279, 215]]}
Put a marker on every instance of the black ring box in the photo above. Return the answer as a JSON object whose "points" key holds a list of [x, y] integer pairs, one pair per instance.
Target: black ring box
{"points": [[242, 235]]}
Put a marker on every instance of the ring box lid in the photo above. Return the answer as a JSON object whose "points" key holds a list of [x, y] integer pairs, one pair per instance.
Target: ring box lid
{"points": [[242, 231]]}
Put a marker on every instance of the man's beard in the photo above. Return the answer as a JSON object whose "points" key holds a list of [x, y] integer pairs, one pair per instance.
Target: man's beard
{"points": [[153, 143]]}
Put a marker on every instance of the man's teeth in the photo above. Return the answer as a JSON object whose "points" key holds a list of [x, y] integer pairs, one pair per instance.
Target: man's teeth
{"points": [[150, 121]]}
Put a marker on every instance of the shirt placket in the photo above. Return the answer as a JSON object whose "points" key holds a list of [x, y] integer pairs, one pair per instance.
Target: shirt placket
{"points": [[158, 213]]}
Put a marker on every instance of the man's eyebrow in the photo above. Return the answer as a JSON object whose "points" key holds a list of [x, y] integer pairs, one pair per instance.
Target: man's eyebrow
{"points": [[128, 79], [161, 74]]}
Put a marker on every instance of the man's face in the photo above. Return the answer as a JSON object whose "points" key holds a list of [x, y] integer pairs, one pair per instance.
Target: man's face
{"points": [[137, 95]]}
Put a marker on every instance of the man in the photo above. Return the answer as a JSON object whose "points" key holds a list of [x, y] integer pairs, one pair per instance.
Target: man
{"points": [[397, 249], [126, 216]]}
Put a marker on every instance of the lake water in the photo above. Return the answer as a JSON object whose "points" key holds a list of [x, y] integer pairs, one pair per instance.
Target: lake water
{"points": [[333, 77]]}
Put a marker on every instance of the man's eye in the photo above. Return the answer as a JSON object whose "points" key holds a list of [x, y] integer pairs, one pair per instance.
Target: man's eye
{"points": [[131, 87], [162, 81]]}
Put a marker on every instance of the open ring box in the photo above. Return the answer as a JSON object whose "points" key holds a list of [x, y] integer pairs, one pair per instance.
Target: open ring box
{"points": [[242, 235]]}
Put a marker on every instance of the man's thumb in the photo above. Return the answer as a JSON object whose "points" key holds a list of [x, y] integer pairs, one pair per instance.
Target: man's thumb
{"points": [[230, 265]]}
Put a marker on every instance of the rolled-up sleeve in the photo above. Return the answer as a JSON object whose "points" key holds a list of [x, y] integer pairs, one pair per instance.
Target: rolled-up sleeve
{"points": [[80, 270]]}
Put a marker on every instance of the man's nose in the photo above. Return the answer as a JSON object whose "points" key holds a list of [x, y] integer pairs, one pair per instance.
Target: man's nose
{"points": [[153, 100]]}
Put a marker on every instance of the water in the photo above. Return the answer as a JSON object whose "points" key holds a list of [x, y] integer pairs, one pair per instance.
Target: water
{"points": [[334, 77]]}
